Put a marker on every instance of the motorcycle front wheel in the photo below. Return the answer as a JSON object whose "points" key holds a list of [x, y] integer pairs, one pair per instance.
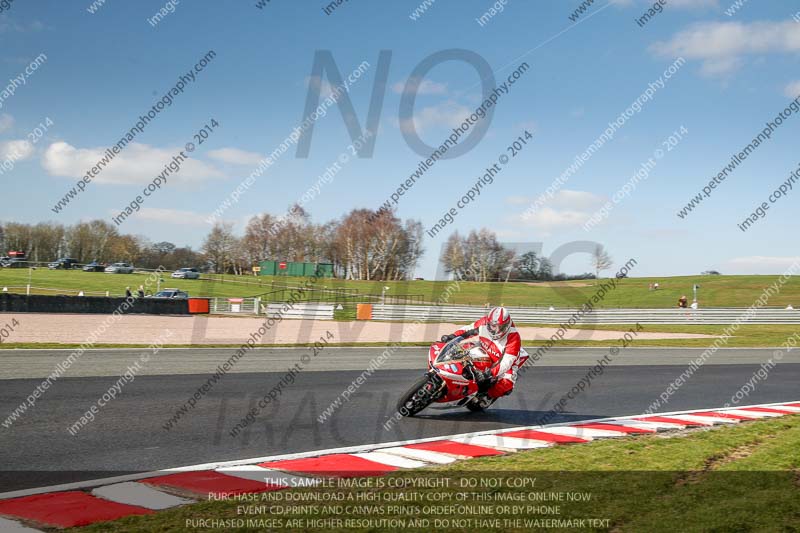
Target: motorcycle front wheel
{"points": [[421, 394]]}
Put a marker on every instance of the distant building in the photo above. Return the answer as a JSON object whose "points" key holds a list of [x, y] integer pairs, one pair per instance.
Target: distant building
{"points": [[291, 268]]}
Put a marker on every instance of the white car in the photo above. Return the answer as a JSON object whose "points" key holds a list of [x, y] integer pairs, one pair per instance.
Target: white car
{"points": [[186, 273], [119, 268], [171, 294]]}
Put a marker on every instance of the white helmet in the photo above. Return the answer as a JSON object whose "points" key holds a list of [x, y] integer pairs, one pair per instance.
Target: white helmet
{"points": [[499, 322]]}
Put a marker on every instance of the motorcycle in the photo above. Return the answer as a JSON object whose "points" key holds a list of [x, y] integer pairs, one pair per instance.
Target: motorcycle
{"points": [[450, 379]]}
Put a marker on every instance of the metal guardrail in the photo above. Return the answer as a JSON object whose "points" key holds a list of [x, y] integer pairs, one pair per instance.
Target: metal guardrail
{"points": [[233, 306], [255, 306], [302, 311], [528, 315]]}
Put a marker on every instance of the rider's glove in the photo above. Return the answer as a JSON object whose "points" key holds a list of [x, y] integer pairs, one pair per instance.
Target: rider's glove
{"points": [[484, 380], [448, 338]]}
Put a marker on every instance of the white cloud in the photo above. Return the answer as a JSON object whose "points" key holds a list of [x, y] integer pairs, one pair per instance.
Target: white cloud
{"points": [[420, 87], [565, 211], [18, 150], [759, 264], [448, 114], [580, 200], [792, 90], [7, 25], [136, 164], [324, 86], [6, 122], [235, 156], [518, 200], [722, 46], [171, 216]]}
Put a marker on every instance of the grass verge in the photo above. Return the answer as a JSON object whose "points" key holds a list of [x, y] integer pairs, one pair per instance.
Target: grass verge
{"points": [[715, 291], [747, 336], [740, 478]]}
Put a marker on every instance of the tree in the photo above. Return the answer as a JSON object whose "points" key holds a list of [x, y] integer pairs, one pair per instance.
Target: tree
{"points": [[220, 247], [453, 256], [477, 257], [601, 260], [375, 245], [545, 269], [527, 265]]}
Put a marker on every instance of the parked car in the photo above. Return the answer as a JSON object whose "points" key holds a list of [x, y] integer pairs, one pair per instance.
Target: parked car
{"points": [[170, 293], [15, 262], [4, 261], [65, 263], [186, 273], [94, 266], [119, 268]]}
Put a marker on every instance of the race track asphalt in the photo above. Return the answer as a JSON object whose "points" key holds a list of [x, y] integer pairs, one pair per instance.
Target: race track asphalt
{"points": [[129, 435]]}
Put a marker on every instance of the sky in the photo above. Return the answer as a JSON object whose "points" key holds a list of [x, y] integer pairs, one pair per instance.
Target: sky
{"points": [[736, 70]]}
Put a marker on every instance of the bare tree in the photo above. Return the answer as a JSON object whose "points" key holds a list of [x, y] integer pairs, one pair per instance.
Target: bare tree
{"points": [[601, 260], [220, 247], [487, 259], [453, 256]]}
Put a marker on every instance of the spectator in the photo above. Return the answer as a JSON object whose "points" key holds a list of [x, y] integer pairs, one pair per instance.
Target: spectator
{"points": [[683, 302], [128, 293], [140, 292]]}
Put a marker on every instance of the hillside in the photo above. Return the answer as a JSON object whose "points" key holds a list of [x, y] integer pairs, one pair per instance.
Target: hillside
{"points": [[715, 291]]}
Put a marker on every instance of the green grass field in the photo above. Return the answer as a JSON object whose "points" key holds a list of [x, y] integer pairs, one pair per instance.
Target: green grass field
{"points": [[740, 478], [715, 291]]}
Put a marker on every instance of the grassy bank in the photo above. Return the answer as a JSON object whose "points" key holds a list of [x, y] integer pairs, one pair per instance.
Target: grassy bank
{"points": [[740, 478], [746, 336], [715, 291]]}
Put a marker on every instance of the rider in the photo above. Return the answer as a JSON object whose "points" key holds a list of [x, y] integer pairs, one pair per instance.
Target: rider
{"points": [[501, 341]]}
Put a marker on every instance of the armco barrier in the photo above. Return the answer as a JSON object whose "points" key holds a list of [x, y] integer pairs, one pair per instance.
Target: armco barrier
{"points": [[523, 315], [303, 311], [35, 303]]}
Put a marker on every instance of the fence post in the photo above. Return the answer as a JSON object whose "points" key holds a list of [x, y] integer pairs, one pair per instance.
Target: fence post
{"points": [[257, 304]]}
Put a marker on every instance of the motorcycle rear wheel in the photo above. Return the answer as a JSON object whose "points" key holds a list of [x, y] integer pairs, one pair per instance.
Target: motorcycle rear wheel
{"points": [[421, 394]]}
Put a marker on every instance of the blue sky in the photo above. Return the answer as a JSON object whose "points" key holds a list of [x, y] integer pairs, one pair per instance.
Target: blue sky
{"points": [[104, 69]]}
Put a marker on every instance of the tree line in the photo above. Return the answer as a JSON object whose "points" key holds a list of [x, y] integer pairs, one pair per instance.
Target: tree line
{"points": [[479, 256], [361, 245], [96, 240]]}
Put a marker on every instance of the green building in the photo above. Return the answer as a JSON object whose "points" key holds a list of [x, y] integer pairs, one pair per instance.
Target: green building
{"points": [[290, 268]]}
